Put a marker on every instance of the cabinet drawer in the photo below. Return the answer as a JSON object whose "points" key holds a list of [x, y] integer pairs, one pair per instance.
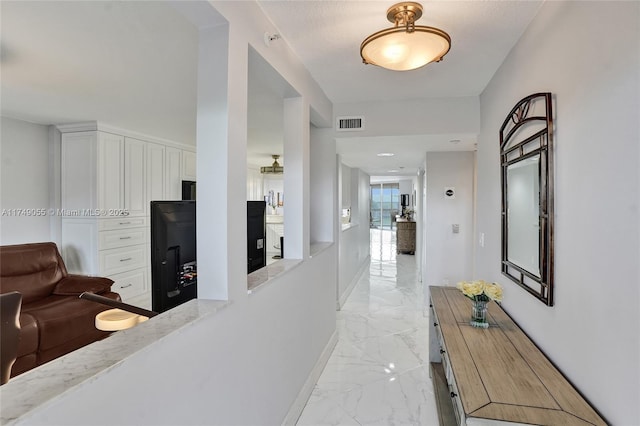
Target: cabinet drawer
{"points": [[122, 223], [123, 259], [122, 238], [458, 410], [130, 284]]}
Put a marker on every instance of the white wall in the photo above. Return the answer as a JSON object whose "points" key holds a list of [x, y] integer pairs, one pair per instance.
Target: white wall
{"points": [[24, 182], [448, 255], [346, 185], [324, 182], [242, 366], [591, 333], [405, 186], [354, 248]]}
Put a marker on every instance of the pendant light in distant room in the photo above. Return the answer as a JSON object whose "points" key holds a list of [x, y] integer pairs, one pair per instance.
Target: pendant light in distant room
{"points": [[275, 168], [405, 46]]}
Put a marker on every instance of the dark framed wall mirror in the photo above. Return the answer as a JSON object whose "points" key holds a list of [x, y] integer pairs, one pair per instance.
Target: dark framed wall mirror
{"points": [[526, 158]]}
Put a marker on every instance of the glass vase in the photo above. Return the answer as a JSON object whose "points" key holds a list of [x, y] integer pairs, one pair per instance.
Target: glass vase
{"points": [[479, 314]]}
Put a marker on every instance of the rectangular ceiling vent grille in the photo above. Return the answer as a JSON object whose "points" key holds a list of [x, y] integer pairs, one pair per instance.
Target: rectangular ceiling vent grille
{"points": [[350, 124]]}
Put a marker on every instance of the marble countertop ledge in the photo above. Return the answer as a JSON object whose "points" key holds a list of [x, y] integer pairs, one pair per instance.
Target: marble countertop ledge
{"points": [[318, 247], [258, 279], [36, 388], [347, 226]]}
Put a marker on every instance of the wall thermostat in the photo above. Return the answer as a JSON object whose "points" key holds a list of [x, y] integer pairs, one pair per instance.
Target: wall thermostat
{"points": [[450, 192]]}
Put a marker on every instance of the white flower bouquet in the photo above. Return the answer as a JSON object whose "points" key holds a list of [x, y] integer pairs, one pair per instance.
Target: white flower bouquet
{"points": [[481, 290]]}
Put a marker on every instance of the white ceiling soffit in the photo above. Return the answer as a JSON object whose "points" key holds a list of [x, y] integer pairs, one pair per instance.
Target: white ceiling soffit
{"points": [[409, 151], [327, 36]]}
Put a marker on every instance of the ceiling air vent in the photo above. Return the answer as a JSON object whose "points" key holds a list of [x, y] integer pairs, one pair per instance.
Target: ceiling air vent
{"points": [[349, 124]]}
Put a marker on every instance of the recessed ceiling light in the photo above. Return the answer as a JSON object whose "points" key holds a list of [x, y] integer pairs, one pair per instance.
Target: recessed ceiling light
{"points": [[386, 154]]}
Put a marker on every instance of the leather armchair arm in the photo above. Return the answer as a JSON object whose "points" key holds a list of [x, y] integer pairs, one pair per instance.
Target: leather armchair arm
{"points": [[74, 285]]}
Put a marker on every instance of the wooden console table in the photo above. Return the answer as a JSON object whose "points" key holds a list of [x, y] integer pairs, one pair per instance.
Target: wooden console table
{"points": [[497, 374]]}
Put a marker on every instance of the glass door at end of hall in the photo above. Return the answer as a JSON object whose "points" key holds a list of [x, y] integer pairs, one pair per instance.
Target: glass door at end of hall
{"points": [[385, 205]]}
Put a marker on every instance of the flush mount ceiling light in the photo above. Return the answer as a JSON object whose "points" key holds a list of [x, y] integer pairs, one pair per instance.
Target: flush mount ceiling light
{"points": [[275, 168], [405, 46]]}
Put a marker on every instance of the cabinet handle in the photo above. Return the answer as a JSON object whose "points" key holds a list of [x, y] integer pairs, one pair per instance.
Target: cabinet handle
{"points": [[435, 324], [442, 351], [125, 259], [453, 395], [125, 238], [126, 286], [124, 223]]}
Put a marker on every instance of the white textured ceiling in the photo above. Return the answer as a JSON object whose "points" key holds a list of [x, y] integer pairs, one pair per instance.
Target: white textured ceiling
{"points": [[133, 64], [327, 37]]}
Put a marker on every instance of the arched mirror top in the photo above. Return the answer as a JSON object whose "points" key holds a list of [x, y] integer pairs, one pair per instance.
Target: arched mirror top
{"points": [[526, 158]]}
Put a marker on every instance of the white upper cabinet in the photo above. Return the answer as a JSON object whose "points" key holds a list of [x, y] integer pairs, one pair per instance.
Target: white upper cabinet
{"points": [[173, 174], [135, 200], [155, 172], [119, 174], [188, 165], [79, 171], [110, 172]]}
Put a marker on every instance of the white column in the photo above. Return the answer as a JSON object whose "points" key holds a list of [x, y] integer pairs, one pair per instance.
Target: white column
{"points": [[296, 178], [212, 165]]}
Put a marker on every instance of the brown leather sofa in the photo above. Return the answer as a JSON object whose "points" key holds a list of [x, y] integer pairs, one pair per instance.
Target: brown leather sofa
{"points": [[53, 319]]}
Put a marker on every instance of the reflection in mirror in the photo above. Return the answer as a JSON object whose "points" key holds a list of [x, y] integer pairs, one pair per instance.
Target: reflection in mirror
{"points": [[526, 157], [523, 198]]}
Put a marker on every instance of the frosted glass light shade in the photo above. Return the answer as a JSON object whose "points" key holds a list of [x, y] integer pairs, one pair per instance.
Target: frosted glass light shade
{"points": [[399, 50]]}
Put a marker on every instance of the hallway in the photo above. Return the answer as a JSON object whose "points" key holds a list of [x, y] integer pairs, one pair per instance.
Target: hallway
{"points": [[378, 373]]}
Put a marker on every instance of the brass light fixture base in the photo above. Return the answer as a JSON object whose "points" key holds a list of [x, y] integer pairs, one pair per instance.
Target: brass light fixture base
{"points": [[275, 168], [405, 13]]}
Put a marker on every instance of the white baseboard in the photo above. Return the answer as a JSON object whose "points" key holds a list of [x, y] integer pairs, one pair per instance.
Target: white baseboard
{"points": [[303, 396], [343, 297]]}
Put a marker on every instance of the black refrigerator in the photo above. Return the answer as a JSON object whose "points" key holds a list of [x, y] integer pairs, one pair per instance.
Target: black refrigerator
{"points": [[256, 235]]}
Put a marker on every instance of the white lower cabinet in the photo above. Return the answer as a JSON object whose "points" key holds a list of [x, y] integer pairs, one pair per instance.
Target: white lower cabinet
{"points": [[122, 259], [114, 248], [131, 285], [122, 238]]}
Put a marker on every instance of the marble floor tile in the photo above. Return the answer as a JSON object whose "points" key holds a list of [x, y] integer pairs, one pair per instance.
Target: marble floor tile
{"points": [[378, 373], [322, 409], [402, 399]]}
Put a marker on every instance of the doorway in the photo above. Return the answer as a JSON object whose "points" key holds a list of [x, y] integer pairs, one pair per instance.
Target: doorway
{"points": [[385, 205]]}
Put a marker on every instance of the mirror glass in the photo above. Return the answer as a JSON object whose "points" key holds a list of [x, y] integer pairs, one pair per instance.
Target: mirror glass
{"points": [[523, 214]]}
